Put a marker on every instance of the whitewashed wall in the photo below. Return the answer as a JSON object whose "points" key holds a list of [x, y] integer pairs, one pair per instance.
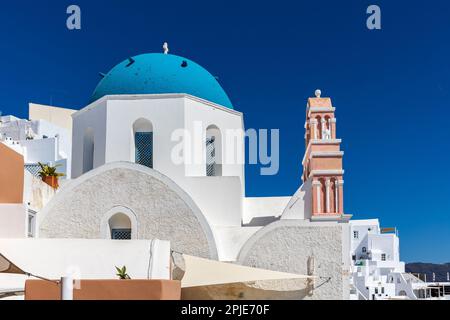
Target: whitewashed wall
{"points": [[384, 243], [42, 150], [93, 117], [112, 118], [300, 204], [220, 198], [85, 259], [48, 150], [260, 207], [362, 228], [224, 119], [13, 220], [36, 192], [289, 245]]}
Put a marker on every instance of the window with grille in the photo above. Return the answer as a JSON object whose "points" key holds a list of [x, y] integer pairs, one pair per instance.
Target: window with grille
{"points": [[144, 148], [33, 168], [383, 257], [121, 234], [210, 157]]}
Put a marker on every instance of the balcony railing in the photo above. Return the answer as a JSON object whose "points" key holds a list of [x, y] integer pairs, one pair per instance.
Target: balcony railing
{"points": [[389, 230]]}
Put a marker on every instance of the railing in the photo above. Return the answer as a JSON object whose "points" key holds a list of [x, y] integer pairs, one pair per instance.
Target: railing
{"points": [[389, 230]]}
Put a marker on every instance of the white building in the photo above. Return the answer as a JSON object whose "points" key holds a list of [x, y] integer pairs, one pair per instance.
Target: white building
{"points": [[46, 137], [377, 272], [40, 139]]}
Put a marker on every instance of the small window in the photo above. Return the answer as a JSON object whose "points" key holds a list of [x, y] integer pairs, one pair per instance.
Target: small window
{"points": [[210, 157], [144, 148], [31, 223], [355, 234], [121, 234], [143, 142], [120, 227], [382, 290], [383, 257], [376, 290], [364, 249], [213, 149]]}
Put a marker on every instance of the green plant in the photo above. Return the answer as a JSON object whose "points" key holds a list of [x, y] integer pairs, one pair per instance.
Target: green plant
{"points": [[49, 171], [122, 273]]}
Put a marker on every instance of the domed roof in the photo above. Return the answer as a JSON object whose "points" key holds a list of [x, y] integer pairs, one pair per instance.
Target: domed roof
{"points": [[154, 73]]}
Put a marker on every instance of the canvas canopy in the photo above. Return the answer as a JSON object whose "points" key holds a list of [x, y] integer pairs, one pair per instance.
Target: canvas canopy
{"points": [[7, 266], [205, 272]]}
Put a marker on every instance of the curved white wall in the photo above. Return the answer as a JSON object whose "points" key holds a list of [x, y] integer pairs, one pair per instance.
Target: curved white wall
{"points": [[302, 247], [82, 208]]}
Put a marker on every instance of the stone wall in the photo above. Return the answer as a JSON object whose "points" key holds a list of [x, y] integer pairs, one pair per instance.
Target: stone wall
{"points": [[159, 207], [301, 247]]}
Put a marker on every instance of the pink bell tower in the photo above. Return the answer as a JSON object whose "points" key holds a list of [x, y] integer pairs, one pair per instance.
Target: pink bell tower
{"points": [[322, 163]]}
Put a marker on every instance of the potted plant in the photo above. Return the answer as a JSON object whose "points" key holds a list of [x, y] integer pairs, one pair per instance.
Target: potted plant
{"points": [[122, 273], [49, 175]]}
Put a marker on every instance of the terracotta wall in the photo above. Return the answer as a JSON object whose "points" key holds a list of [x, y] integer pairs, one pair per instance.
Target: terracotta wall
{"points": [[11, 175], [324, 163], [107, 290]]}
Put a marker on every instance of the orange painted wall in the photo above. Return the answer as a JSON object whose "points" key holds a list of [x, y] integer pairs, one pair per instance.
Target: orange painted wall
{"points": [[324, 163], [107, 290], [325, 147], [11, 175]]}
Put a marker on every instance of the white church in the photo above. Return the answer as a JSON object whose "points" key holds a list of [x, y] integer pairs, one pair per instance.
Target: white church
{"points": [[158, 153]]}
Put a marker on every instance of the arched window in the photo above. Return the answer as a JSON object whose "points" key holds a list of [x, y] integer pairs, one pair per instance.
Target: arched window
{"points": [[333, 207], [323, 196], [364, 249], [119, 223], [88, 150], [120, 227], [319, 127], [326, 129], [143, 142], [213, 151]]}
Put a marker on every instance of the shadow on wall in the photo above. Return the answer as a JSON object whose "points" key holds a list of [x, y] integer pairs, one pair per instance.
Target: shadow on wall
{"points": [[261, 221]]}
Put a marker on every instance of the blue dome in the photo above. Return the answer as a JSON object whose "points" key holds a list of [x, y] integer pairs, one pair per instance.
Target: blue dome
{"points": [[154, 73]]}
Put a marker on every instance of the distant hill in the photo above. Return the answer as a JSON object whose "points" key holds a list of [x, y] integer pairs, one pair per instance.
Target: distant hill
{"points": [[428, 268]]}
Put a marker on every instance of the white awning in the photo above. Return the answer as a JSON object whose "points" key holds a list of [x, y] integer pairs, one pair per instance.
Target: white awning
{"points": [[204, 272], [6, 266]]}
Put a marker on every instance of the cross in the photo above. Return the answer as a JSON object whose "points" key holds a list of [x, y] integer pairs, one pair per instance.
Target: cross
{"points": [[166, 48]]}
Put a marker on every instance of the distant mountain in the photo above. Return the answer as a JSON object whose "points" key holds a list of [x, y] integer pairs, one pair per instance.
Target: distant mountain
{"points": [[422, 268]]}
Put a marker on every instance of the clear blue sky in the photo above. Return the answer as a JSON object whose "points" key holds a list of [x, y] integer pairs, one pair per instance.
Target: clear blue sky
{"points": [[390, 87]]}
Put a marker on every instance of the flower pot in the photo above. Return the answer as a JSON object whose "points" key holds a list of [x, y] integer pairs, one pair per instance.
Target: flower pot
{"points": [[52, 181]]}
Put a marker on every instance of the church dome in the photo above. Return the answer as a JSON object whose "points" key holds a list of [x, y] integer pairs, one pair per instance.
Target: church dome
{"points": [[154, 73]]}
